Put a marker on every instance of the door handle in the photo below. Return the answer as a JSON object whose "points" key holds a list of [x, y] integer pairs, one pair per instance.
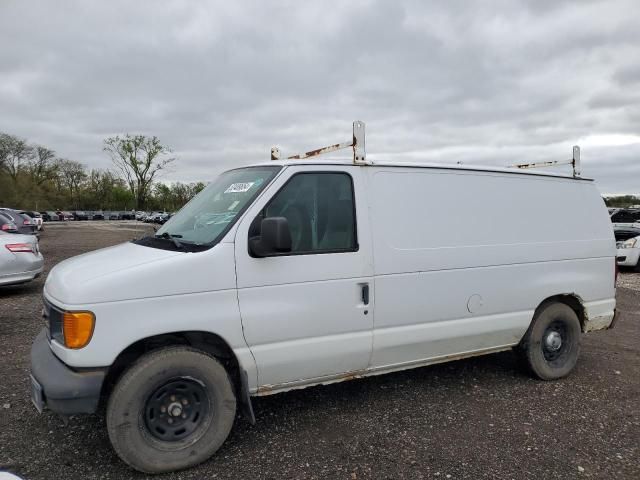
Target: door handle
{"points": [[365, 294]]}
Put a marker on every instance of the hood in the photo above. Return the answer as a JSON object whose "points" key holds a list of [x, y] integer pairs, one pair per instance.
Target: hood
{"points": [[129, 271]]}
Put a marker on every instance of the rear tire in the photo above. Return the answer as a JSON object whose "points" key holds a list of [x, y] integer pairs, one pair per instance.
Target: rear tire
{"points": [[171, 410], [551, 346]]}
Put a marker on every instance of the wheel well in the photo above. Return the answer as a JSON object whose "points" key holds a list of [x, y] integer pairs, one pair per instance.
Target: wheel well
{"points": [[205, 341], [569, 299]]}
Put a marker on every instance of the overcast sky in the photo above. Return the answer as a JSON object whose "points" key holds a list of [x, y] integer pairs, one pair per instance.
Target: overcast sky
{"points": [[221, 82]]}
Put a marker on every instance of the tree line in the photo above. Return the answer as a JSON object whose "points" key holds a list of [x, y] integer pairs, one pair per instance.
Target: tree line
{"points": [[622, 201], [35, 177]]}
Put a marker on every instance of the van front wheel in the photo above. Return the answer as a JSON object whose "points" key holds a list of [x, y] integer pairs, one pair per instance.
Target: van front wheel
{"points": [[171, 410], [551, 346]]}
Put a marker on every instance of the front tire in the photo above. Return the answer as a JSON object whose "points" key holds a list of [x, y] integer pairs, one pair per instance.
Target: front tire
{"points": [[171, 410], [551, 346]]}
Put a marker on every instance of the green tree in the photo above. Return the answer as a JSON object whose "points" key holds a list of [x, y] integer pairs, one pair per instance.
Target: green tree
{"points": [[140, 159]]}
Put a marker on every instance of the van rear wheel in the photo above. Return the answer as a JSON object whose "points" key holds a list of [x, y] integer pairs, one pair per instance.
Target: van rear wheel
{"points": [[171, 410], [551, 346]]}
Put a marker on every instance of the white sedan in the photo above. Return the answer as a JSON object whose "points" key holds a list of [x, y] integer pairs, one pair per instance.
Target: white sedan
{"points": [[628, 243], [20, 258]]}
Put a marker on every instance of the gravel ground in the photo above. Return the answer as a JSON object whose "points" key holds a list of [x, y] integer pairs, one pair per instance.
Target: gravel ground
{"points": [[473, 419]]}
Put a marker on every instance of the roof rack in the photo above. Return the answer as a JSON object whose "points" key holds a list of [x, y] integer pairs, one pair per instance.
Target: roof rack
{"points": [[360, 158], [357, 143], [574, 162]]}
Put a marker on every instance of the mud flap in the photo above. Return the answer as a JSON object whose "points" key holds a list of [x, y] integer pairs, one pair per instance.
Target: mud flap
{"points": [[245, 398]]}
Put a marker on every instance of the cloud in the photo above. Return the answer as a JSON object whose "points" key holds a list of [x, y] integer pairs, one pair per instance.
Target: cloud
{"points": [[221, 82]]}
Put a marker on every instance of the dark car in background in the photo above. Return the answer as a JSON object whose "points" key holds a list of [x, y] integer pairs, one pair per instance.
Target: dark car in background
{"points": [[65, 215], [24, 222], [50, 216], [80, 215], [99, 215], [625, 215], [127, 215], [7, 224]]}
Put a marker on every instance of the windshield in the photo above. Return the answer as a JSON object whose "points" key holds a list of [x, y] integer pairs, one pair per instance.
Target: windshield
{"points": [[208, 215]]}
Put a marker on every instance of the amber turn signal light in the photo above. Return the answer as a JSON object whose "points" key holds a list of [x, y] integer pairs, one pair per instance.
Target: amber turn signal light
{"points": [[77, 328]]}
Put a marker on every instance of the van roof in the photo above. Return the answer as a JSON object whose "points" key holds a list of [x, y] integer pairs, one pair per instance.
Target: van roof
{"points": [[440, 166]]}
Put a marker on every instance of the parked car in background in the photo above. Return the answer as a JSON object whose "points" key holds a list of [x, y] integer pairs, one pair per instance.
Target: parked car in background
{"points": [[7, 224], [99, 215], [628, 244], [625, 215], [80, 215], [20, 258], [130, 215], [23, 222], [50, 216], [140, 216], [157, 217], [163, 217], [112, 216], [65, 216], [36, 217], [150, 217]]}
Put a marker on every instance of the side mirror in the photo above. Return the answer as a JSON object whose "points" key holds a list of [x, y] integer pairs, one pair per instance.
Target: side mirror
{"points": [[274, 239]]}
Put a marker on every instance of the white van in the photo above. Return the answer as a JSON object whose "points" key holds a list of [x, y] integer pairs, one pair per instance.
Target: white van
{"points": [[296, 273]]}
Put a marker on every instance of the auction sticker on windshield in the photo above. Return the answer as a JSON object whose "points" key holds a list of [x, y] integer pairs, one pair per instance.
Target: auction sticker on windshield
{"points": [[239, 187]]}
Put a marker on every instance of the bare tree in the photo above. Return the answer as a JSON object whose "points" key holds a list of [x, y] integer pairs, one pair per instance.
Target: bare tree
{"points": [[4, 149], [41, 166], [14, 152], [71, 174], [140, 159]]}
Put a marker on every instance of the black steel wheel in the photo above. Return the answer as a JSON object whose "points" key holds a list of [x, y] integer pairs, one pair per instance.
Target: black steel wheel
{"points": [[172, 409], [176, 409], [551, 346], [554, 341]]}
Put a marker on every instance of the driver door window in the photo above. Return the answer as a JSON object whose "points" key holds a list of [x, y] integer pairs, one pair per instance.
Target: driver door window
{"points": [[320, 211]]}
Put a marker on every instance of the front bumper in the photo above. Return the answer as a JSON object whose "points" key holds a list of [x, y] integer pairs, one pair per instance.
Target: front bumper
{"points": [[63, 390], [20, 277], [627, 257]]}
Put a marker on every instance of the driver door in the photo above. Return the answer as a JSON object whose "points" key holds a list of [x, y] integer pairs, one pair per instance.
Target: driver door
{"points": [[305, 314]]}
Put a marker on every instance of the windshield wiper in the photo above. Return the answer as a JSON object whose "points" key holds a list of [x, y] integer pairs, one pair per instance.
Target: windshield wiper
{"points": [[173, 238]]}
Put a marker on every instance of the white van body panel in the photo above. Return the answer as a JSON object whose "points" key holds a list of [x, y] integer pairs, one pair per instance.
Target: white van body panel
{"points": [[468, 274], [303, 315]]}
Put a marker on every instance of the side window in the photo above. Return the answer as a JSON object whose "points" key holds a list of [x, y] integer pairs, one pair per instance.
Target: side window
{"points": [[320, 210]]}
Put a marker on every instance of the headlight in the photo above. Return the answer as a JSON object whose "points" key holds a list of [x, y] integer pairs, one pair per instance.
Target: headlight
{"points": [[77, 328], [631, 243]]}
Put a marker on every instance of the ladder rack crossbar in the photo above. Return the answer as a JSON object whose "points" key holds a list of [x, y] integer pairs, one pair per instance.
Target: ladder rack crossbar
{"points": [[320, 151], [574, 162], [357, 143]]}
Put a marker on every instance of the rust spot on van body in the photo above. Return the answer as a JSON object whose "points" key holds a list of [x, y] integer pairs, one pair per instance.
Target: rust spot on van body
{"points": [[284, 387]]}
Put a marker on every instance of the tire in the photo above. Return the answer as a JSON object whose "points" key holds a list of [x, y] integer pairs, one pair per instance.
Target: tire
{"points": [[172, 409], [551, 346]]}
